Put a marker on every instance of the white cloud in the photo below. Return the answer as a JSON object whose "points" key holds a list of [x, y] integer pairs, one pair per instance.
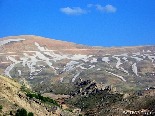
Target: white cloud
{"points": [[99, 7], [89, 5], [110, 8], [107, 8], [73, 11]]}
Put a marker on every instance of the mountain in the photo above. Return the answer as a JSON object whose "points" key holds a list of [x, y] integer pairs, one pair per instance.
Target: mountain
{"points": [[41, 60], [51, 77]]}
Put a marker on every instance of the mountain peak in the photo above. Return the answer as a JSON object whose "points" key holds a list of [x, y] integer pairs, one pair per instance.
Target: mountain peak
{"points": [[29, 40]]}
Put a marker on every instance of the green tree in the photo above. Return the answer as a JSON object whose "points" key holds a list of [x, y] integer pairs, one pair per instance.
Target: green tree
{"points": [[1, 107], [30, 114], [21, 112]]}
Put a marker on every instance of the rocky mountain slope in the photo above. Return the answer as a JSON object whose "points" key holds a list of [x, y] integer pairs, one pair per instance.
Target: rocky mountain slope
{"points": [[85, 98], [44, 61], [14, 96], [91, 99]]}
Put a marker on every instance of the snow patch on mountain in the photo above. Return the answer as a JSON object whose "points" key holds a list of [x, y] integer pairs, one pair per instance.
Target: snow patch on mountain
{"points": [[91, 66], [105, 59], [41, 82], [24, 59], [122, 69], [137, 58], [124, 58], [73, 79], [80, 57], [43, 58], [61, 79], [19, 72], [70, 66], [39, 47], [125, 54], [10, 40], [13, 60], [148, 51], [8, 69], [118, 65], [152, 58], [144, 56], [136, 54], [56, 57], [40, 56], [93, 60], [116, 75], [134, 68], [118, 62], [80, 66], [29, 61], [32, 75]]}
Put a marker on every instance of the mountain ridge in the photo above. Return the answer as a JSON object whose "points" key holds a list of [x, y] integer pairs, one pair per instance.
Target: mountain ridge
{"points": [[39, 59], [40, 37]]}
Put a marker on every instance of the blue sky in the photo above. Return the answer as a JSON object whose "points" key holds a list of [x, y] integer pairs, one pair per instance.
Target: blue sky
{"points": [[89, 22]]}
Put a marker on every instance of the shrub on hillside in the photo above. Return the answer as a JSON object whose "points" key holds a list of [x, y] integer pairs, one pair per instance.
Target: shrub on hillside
{"points": [[1, 107], [44, 99], [30, 114], [21, 112]]}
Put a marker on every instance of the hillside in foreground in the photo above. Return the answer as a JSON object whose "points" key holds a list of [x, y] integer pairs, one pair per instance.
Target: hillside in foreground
{"points": [[14, 97]]}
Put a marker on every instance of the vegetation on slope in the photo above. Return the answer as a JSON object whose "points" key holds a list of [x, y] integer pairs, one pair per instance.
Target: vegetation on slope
{"points": [[39, 96], [94, 101], [19, 100], [23, 112]]}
